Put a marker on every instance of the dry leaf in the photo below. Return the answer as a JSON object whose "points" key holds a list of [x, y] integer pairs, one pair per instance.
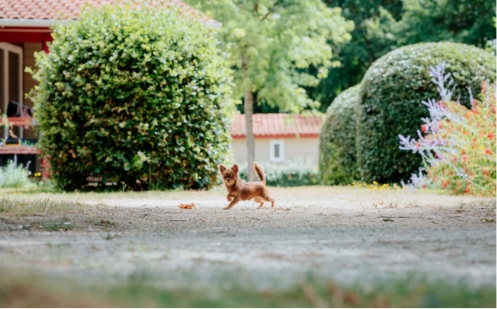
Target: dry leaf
{"points": [[187, 206]]}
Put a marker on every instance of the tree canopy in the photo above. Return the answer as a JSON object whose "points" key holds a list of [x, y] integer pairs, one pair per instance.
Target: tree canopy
{"points": [[384, 25], [272, 43]]}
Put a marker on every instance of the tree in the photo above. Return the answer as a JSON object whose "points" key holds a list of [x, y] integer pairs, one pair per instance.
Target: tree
{"points": [[272, 43], [371, 38], [384, 25], [462, 21]]}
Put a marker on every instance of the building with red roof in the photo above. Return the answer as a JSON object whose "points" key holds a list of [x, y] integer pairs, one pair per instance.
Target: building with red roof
{"points": [[25, 28], [278, 137]]}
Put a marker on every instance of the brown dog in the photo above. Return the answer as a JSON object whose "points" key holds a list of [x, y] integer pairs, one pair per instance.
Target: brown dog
{"points": [[240, 191]]}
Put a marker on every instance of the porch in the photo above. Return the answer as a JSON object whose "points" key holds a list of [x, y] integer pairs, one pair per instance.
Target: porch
{"points": [[19, 135]]}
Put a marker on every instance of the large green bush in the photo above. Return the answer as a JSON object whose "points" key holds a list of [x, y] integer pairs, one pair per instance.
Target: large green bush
{"points": [[390, 102], [337, 142], [138, 98]]}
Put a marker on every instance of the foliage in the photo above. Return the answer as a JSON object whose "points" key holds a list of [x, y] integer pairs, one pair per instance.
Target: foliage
{"points": [[12, 176], [376, 186], [139, 96], [371, 38], [458, 148], [468, 22], [296, 172], [491, 47], [272, 42], [391, 94], [384, 25], [337, 152]]}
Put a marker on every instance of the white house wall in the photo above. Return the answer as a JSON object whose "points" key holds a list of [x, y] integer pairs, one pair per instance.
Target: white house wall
{"points": [[294, 147]]}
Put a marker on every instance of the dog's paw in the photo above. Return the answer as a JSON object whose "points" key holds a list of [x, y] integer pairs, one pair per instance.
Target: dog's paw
{"points": [[229, 198], [226, 208]]}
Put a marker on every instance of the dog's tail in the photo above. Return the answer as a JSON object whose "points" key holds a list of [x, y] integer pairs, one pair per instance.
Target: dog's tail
{"points": [[260, 172]]}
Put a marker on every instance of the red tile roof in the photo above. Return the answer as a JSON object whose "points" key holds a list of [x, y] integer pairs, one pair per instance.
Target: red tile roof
{"points": [[50, 9], [278, 126]]}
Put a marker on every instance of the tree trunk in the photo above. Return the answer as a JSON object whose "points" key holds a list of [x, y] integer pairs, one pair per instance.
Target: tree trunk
{"points": [[249, 110], [248, 100]]}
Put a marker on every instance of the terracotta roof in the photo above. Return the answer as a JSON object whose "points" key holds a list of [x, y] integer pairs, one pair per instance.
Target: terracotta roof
{"points": [[50, 9], [278, 126]]}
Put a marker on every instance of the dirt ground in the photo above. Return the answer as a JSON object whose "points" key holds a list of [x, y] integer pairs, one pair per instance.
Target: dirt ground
{"points": [[348, 234]]}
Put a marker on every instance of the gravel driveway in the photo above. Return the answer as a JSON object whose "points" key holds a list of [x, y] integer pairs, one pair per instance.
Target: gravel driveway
{"points": [[348, 234]]}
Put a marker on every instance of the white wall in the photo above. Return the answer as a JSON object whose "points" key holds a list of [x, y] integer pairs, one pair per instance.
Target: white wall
{"points": [[294, 147]]}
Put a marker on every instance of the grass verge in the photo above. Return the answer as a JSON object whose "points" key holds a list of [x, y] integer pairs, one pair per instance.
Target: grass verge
{"points": [[20, 206], [35, 290]]}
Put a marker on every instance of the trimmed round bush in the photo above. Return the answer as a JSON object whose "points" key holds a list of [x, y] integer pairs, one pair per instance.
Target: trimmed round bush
{"points": [[135, 98], [390, 102], [337, 143]]}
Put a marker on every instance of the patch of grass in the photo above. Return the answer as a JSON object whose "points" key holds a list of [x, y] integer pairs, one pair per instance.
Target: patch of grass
{"points": [[140, 290], [375, 186], [483, 202], [21, 206], [412, 204], [394, 204], [42, 187], [104, 223], [110, 236], [490, 212], [63, 225]]}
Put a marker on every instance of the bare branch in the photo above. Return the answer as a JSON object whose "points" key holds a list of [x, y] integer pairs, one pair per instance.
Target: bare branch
{"points": [[271, 10]]}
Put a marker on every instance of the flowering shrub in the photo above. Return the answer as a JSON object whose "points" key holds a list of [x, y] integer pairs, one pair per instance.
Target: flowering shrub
{"points": [[458, 146], [12, 176], [297, 172], [390, 102]]}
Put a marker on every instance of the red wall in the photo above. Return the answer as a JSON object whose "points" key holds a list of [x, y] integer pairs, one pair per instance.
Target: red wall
{"points": [[26, 35]]}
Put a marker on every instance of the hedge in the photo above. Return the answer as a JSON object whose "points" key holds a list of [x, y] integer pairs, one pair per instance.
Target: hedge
{"points": [[134, 97], [337, 143], [296, 172], [391, 93]]}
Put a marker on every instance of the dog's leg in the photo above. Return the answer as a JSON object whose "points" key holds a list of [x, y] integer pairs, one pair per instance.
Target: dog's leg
{"points": [[229, 198], [236, 200], [259, 200], [267, 198]]}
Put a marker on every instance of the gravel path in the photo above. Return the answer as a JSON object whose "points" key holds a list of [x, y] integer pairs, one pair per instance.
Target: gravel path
{"points": [[348, 234]]}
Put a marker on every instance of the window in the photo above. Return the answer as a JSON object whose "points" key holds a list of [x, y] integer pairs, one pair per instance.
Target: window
{"points": [[10, 76], [276, 150]]}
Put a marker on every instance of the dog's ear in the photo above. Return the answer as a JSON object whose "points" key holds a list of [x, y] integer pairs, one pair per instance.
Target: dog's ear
{"points": [[222, 168], [235, 168]]}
